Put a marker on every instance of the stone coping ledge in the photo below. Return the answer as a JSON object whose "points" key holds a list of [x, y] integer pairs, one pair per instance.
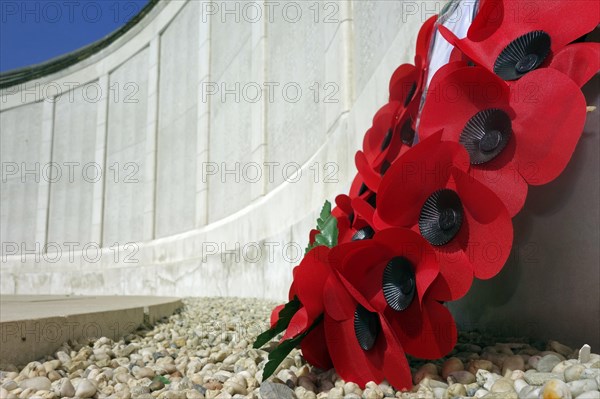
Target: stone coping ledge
{"points": [[34, 326]]}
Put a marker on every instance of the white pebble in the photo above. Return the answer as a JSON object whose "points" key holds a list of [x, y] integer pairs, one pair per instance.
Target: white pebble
{"points": [[10, 385], [529, 392], [584, 353], [65, 388], [581, 386], [574, 372], [503, 385], [519, 385], [37, 384], [85, 389], [590, 395]]}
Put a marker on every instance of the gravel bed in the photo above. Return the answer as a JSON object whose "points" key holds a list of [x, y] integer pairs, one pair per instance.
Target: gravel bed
{"points": [[205, 351]]}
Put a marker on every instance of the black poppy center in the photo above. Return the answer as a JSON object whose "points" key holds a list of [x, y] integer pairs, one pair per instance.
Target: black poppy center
{"points": [[490, 141], [386, 140], [406, 132], [385, 165], [523, 55], [366, 327], [486, 134], [448, 219], [399, 284], [372, 200], [441, 217], [527, 63], [363, 189], [365, 233], [410, 94]]}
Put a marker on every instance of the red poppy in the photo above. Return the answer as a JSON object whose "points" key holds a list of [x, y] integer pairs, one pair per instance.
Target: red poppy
{"points": [[376, 356], [365, 210], [379, 140], [371, 176], [345, 217], [352, 223], [380, 150], [309, 279], [407, 82], [391, 274], [513, 38], [359, 189], [504, 128], [428, 190]]}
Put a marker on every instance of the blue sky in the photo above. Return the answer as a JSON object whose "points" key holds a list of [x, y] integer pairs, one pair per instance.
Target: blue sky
{"points": [[33, 31]]}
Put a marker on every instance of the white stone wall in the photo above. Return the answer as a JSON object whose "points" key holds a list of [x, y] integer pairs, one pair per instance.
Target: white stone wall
{"points": [[72, 181], [178, 130], [165, 218], [21, 194], [126, 145]]}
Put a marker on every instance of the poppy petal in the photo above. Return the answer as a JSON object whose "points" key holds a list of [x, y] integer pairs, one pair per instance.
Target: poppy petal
{"points": [[275, 315], [314, 348], [414, 176], [344, 203], [380, 224], [383, 121], [298, 324], [502, 177], [363, 271], [544, 146], [370, 177], [364, 210], [488, 19], [424, 38], [345, 230], [403, 83], [357, 187], [309, 279], [395, 365], [292, 291], [339, 305], [349, 359], [427, 333], [455, 277], [579, 61], [489, 226]]}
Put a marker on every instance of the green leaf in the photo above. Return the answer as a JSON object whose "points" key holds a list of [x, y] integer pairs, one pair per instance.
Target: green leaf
{"points": [[280, 353], [285, 315], [327, 226], [284, 349]]}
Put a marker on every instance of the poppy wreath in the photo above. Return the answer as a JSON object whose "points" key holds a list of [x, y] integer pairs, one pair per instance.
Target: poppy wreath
{"points": [[421, 221]]}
